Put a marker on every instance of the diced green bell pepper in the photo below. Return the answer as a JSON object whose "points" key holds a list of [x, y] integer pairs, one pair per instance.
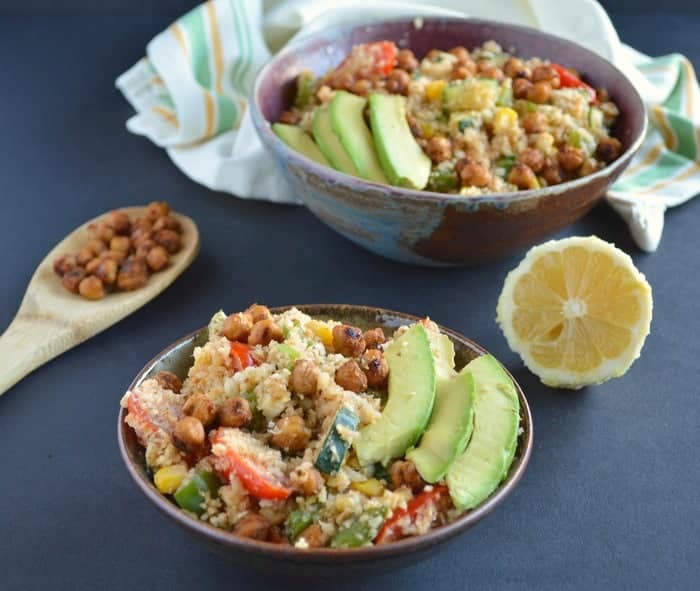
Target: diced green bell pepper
{"points": [[298, 520], [357, 533], [290, 352], [190, 496], [442, 181], [505, 98], [506, 162]]}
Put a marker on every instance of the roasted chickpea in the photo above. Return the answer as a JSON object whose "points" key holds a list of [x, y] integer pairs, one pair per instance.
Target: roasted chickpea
{"points": [[289, 117], [461, 53], [144, 248], [304, 378], [100, 231], [72, 278], [119, 221], [91, 288], [254, 526], [348, 340], [539, 92], [235, 412], [472, 173], [459, 72], [534, 122], [114, 255], [349, 376], [610, 110], [157, 209], [120, 244], [404, 473], [237, 326], [398, 81], [141, 236], [258, 312], [265, 331], [515, 68], [97, 246], [167, 222], [306, 480], [188, 434], [521, 87], [570, 158], [92, 265], [314, 536], [168, 239], [290, 434], [602, 95], [551, 172], [546, 74], [132, 274], [85, 256], [361, 86], [522, 176], [374, 338], [490, 71], [376, 368], [406, 60], [169, 381], [342, 80], [142, 223], [439, 149], [157, 258], [416, 128], [533, 158], [64, 264], [609, 148], [201, 408]]}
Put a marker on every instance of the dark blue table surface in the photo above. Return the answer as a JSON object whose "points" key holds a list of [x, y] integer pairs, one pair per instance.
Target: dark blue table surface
{"points": [[610, 500]]}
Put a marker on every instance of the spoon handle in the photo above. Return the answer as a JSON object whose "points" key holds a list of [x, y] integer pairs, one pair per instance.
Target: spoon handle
{"points": [[31, 341]]}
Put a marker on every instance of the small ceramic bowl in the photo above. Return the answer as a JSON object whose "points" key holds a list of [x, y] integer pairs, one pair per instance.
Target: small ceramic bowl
{"points": [[319, 561], [432, 228]]}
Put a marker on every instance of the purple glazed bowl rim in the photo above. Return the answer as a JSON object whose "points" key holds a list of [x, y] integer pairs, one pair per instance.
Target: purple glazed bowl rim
{"points": [[331, 176], [298, 555]]}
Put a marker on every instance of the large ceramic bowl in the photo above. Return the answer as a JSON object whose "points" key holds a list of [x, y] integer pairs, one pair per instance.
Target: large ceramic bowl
{"points": [[432, 228], [319, 561]]}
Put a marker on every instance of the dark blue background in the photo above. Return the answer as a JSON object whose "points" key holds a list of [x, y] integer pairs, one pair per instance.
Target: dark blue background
{"points": [[610, 500]]}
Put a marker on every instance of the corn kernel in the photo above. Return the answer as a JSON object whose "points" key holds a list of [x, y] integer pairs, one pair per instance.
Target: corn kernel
{"points": [[433, 91], [322, 331], [168, 479], [504, 119]]}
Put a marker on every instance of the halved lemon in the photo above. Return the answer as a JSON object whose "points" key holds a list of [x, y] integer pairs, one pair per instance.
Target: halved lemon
{"points": [[576, 310]]}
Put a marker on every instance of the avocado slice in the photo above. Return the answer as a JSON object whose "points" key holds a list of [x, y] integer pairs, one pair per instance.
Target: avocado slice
{"points": [[449, 429], [297, 139], [410, 402], [489, 454], [348, 123], [329, 144], [403, 160]]}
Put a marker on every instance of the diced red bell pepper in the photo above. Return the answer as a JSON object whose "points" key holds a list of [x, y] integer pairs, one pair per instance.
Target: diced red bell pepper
{"points": [[254, 477], [568, 80], [137, 418], [368, 60], [241, 355], [393, 528]]}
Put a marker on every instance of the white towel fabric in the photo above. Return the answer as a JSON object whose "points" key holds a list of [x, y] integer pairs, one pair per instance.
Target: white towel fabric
{"points": [[190, 92]]}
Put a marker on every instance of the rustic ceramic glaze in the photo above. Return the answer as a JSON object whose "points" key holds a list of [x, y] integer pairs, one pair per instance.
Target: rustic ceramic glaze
{"points": [[431, 228], [319, 561]]}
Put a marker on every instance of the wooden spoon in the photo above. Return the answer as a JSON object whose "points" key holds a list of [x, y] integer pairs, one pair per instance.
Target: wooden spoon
{"points": [[52, 320]]}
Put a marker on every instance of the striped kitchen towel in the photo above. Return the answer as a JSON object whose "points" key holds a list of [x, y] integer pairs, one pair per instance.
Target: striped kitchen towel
{"points": [[190, 93]]}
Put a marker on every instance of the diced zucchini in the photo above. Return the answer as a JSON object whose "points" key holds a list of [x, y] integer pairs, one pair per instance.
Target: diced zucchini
{"points": [[505, 97], [359, 532], [595, 118], [370, 488], [583, 139], [334, 448]]}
